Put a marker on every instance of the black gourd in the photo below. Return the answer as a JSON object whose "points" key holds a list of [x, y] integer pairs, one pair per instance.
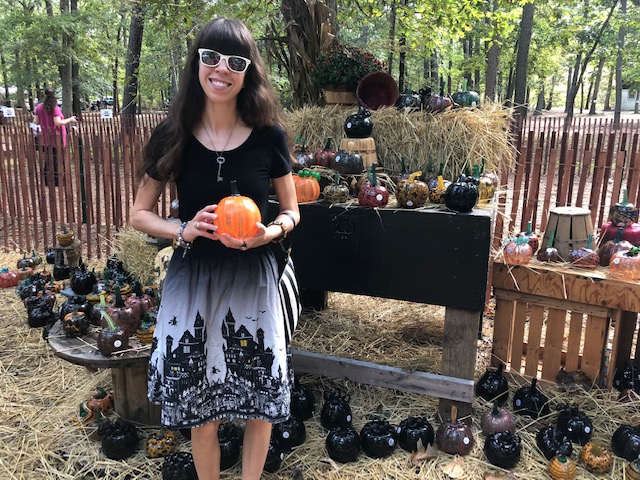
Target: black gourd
{"points": [[627, 378], [336, 411], [230, 441], [493, 386], [378, 438], [503, 449], [552, 441], [290, 433], [461, 196], [575, 424], [120, 440], [302, 401], [179, 466], [625, 442], [343, 444], [275, 456], [413, 429], [528, 400]]}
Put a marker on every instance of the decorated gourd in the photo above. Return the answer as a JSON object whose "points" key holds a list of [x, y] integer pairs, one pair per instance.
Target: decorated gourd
{"points": [[595, 458], [179, 466], [123, 315], [534, 240], [65, 237], [75, 303], [503, 449], [290, 433], [111, 338], [75, 324], [343, 444], [625, 442], [623, 213], [562, 467], [324, 157], [120, 440], [412, 193], [24, 272], [101, 400], [550, 253], [439, 103], [493, 386], [437, 193], [162, 443], [497, 419], [461, 196], [632, 470], [575, 424], [631, 233], [336, 192], [585, 257], [307, 184], [26, 262], [378, 438], [115, 265], [486, 189], [455, 437], [359, 125], [517, 251], [82, 280], [627, 377], [336, 411], [466, 97], [275, 456], [626, 265], [237, 215], [302, 401], [552, 441], [373, 195], [348, 162], [95, 317], [530, 401], [8, 278], [608, 249], [230, 441], [414, 429], [302, 155]]}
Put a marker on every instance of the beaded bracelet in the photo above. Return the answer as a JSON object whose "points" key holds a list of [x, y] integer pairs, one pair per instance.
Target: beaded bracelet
{"points": [[186, 246]]}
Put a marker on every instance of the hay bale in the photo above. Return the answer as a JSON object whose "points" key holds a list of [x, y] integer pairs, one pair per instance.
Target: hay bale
{"points": [[137, 255]]}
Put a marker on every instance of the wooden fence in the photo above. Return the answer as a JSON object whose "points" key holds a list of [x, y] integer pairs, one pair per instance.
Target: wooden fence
{"points": [[585, 164]]}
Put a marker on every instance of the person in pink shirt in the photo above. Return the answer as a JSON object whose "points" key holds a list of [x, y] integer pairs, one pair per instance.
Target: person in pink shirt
{"points": [[52, 130]]}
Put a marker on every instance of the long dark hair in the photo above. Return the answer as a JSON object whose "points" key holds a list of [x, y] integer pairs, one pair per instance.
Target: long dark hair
{"points": [[257, 102], [50, 101]]}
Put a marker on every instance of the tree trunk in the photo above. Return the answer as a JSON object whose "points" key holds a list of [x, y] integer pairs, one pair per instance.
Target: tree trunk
{"points": [[607, 98], [76, 101], [524, 41], [621, 34], [553, 87], [392, 35], [402, 45], [476, 71], [130, 94], [494, 47], [540, 103], [596, 87], [5, 78], [64, 66]]}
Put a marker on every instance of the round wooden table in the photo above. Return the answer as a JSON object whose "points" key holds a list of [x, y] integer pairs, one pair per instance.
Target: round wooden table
{"points": [[128, 371]]}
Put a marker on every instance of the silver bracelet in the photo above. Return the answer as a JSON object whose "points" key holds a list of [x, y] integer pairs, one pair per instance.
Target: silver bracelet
{"points": [[186, 246]]}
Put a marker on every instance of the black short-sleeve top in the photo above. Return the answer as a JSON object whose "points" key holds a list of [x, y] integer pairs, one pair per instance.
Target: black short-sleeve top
{"points": [[263, 156]]}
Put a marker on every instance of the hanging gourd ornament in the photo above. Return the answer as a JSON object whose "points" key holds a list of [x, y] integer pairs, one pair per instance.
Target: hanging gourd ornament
{"points": [[497, 419], [65, 237], [111, 338], [610, 248], [562, 467], [348, 162], [626, 265], [549, 253], [412, 193], [585, 257], [439, 103], [324, 157], [307, 184], [596, 458], [413, 430], [373, 195], [437, 193], [378, 438], [623, 213], [575, 424], [503, 449], [336, 192], [493, 386], [237, 215], [343, 444], [461, 196], [528, 400], [162, 443], [359, 125], [455, 437], [517, 251], [625, 442], [534, 240]]}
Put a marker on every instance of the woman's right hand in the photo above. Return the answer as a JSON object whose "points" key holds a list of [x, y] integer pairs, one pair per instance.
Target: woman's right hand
{"points": [[201, 225]]}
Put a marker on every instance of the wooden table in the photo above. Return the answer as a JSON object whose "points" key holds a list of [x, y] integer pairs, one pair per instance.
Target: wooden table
{"points": [[426, 256], [128, 371]]}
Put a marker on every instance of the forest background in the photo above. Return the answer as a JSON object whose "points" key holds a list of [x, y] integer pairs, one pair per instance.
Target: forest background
{"points": [[533, 55]]}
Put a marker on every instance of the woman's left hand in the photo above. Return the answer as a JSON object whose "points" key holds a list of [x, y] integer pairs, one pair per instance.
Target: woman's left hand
{"points": [[257, 240]]}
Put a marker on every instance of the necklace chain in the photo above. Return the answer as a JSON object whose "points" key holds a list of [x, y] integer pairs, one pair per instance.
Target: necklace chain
{"points": [[219, 157]]}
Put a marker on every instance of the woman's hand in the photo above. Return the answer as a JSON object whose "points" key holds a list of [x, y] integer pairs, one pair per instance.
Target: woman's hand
{"points": [[259, 239], [201, 225]]}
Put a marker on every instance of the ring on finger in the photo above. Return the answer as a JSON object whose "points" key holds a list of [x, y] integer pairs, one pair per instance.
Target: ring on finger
{"points": [[197, 226], [243, 247]]}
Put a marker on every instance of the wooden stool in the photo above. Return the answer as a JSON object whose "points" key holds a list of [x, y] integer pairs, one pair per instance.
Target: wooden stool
{"points": [[70, 255]]}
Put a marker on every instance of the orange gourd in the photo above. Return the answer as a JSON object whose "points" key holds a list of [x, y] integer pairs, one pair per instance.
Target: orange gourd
{"points": [[237, 215], [307, 186]]}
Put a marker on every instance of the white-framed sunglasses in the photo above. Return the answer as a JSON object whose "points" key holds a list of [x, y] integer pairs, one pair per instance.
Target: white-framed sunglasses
{"points": [[235, 63]]}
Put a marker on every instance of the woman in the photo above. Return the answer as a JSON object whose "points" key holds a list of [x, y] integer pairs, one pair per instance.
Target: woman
{"points": [[219, 349], [53, 130]]}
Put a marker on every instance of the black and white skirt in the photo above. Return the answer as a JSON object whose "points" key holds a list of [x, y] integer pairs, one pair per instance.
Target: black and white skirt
{"points": [[220, 348]]}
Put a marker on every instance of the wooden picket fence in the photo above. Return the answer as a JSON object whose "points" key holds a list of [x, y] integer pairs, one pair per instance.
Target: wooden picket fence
{"points": [[585, 164]]}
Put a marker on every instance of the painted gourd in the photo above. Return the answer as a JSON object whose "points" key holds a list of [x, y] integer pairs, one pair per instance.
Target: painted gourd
{"points": [[65, 237], [325, 156], [337, 192], [373, 195], [82, 280], [466, 97], [627, 377], [623, 213], [145, 332], [120, 440], [101, 399], [625, 442], [437, 193], [336, 411], [461, 196], [503, 449], [551, 441], [414, 429], [75, 303], [275, 456], [575, 424], [493, 386], [378, 438], [631, 233], [626, 265], [75, 324], [302, 401], [595, 458], [530, 401], [123, 315], [497, 420], [179, 466], [307, 185], [359, 125], [608, 249], [25, 272], [412, 193], [237, 215], [343, 444], [550, 253], [348, 162], [162, 443], [562, 467], [534, 240], [290, 433], [8, 278], [632, 470], [517, 251], [230, 441], [111, 338], [585, 257], [439, 103], [455, 437], [26, 262]]}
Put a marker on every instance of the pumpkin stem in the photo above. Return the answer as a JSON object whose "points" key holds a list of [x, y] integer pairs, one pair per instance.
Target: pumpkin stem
{"points": [[529, 227], [336, 178], [119, 300], [234, 189], [327, 146], [552, 236], [440, 182], [414, 175], [484, 161], [374, 178], [625, 196], [403, 167], [465, 83], [496, 411], [589, 240], [500, 368], [454, 413], [618, 238], [107, 317], [441, 170], [534, 381], [476, 172]]}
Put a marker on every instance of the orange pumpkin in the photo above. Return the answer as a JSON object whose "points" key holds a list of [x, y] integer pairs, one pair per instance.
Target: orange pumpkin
{"points": [[307, 185], [237, 215], [626, 265]]}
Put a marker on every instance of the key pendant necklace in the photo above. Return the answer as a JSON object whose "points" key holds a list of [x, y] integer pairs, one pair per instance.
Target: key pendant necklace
{"points": [[219, 157]]}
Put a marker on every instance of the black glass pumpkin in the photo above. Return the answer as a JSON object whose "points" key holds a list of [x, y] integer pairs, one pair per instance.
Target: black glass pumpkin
{"points": [[115, 264], [625, 442], [343, 444], [409, 100], [41, 315], [120, 440], [290, 433], [412, 429], [230, 440], [82, 280], [275, 456], [75, 303], [50, 256], [336, 411], [503, 449], [378, 438], [179, 466], [552, 442], [302, 401], [627, 378], [461, 196], [347, 162], [359, 125], [575, 424], [61, 271], [528, 400], [493, 386]]}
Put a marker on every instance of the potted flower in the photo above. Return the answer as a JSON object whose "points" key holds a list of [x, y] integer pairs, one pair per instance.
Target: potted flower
{"points": [[341, 67]]}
